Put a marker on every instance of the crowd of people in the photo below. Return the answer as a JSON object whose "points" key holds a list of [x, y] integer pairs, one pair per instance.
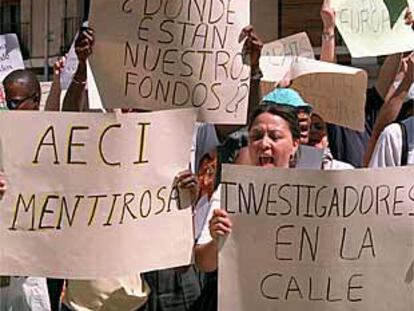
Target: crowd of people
{"points": [[279, 125]]}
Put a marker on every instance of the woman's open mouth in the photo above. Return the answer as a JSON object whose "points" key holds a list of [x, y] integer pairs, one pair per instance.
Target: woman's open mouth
{"points": [[265, 160]]}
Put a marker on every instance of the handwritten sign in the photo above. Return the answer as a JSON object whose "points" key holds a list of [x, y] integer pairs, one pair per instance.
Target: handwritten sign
{"points": [[10, 55], [172, 54], [89, 195], [368, 29], [294, 46], [279, 56], [338, 98], [317, 241], [337, 93]]}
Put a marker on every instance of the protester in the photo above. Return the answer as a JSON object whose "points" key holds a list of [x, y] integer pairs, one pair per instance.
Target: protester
{"points": [[127, 293], [349, 145], [395, 146], [392, 107], [188, 289], [285, 99], [318, 138], [289, 99], [22, 90], [178, 288], [274, 136], [302, 109]]}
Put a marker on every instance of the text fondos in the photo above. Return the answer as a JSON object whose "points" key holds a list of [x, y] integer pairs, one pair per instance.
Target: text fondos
{"points": [[175, 54]]}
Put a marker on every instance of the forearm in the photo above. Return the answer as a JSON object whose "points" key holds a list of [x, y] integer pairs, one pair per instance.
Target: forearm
{"points": [[53, 100], [387, 74], [255, 96], [328, 46], [388, 114], [206, 256], [73, 100]]}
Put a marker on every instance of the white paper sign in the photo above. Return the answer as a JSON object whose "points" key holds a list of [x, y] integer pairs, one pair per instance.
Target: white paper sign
{"points": [[367, 30], [10, 55]]}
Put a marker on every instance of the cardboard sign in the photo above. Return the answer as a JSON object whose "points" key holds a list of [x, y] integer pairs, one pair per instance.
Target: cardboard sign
{"points": [[368, 29], [89, 195], [10, 55], [337, 93], [337, 98], [160, 54], [317, 240]]}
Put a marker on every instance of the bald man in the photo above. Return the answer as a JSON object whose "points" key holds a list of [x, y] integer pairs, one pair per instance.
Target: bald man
{"points": [[22, 92]]}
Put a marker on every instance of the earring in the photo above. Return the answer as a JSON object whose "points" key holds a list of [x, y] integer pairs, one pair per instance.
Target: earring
{"points": [[292, 160]]}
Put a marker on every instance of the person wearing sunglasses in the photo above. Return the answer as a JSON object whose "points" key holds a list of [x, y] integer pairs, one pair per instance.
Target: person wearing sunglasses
{"points": [[22, 90]]}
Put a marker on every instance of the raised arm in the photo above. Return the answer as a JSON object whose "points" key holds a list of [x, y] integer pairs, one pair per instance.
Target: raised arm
{"points": [[386, 76], [391, 108], [253, 48], [206, 255], [76, 94], [328, 33], [53, 100]]}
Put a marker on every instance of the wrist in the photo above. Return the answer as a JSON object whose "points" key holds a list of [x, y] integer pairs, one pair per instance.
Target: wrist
{"points": [[80, 75], [406, 84], [329, 30], [255, 73], [328, 35], [79, 80]]}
